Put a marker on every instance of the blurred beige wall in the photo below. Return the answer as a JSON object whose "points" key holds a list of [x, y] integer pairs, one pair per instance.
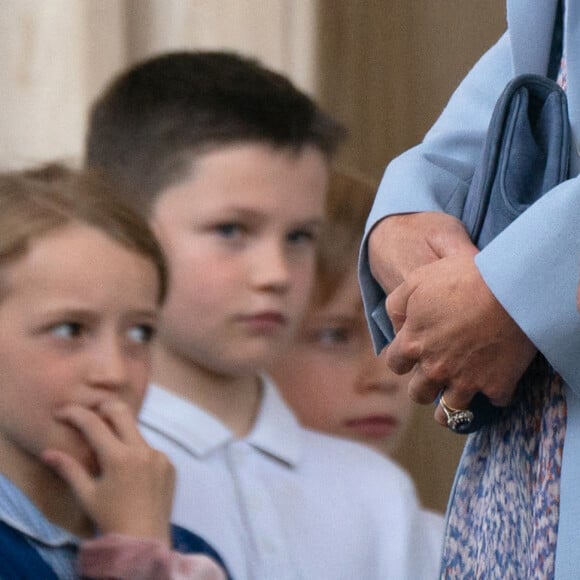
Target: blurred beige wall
{"points": [[58, 54], [386, 69]]}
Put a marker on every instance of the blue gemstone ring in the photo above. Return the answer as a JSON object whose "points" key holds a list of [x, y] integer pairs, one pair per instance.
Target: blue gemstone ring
{"points": [[458, 420]]}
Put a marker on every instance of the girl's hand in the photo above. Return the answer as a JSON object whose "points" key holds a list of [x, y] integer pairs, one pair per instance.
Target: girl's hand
{"points": [[132, 493]]}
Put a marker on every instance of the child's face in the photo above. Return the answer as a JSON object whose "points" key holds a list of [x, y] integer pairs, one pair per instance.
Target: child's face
{"points": [[334, 381], [76, 321], [240, 236]]}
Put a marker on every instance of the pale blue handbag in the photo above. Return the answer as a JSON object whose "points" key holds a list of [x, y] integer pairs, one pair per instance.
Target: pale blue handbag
{"points": [[526, 154]]}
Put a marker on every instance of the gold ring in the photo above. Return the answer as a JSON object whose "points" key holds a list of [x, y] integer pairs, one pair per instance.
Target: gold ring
{"points": [[458, 420]]}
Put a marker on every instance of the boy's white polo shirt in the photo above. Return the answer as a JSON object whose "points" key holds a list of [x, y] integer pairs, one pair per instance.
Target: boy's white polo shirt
{"points": [[289, 503]]}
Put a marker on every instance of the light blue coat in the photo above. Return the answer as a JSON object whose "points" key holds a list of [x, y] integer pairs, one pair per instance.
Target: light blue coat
{"points": [[533, 266]]}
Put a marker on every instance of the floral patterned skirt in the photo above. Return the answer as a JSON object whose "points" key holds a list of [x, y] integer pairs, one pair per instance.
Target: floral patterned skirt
{"points": [[502, 519]]}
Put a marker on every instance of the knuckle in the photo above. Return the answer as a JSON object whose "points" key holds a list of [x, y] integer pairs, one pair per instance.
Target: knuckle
{"points": [[421, 392], [161, 461], [114, 406], [161, 458], [408, 348], [436, 371], [415, 395], [145, 455], [389, 307], [498, 395]]}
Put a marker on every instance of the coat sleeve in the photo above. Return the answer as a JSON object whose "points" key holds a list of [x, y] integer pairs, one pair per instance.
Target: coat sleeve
{"points": [[435, 175], [532, 269]]}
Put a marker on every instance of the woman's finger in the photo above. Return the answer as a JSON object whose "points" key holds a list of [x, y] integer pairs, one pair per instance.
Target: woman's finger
{"points": [[454, 401], [396, 305], [421, 389]]}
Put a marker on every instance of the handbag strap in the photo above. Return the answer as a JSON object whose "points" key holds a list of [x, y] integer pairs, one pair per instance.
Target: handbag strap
{"points": [[557, 43]]}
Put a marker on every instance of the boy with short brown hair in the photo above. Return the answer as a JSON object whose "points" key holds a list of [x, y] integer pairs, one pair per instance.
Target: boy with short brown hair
{"points": [[230, 162]]}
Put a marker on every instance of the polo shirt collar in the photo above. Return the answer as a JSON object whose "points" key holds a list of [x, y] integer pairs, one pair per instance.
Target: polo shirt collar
{"points": [[276, 431], [21, 514], [178, 419]]}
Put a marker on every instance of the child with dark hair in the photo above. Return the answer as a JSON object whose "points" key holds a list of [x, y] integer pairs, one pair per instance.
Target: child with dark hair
{"points": [[230, 163], [153, 122], [81, 492]]}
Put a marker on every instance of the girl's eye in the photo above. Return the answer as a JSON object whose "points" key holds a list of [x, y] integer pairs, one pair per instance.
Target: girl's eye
{"points": [[67, 330], [141, 333]]}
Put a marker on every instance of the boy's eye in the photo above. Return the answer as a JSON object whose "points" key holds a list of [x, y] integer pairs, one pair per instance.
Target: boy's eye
{"points": [[332, 335], [141, 333], [301, 236], [229, 230], [67, 330]]}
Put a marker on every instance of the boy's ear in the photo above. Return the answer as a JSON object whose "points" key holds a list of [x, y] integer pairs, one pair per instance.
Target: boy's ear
{"points": [[159, 231], [155, 225]]}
